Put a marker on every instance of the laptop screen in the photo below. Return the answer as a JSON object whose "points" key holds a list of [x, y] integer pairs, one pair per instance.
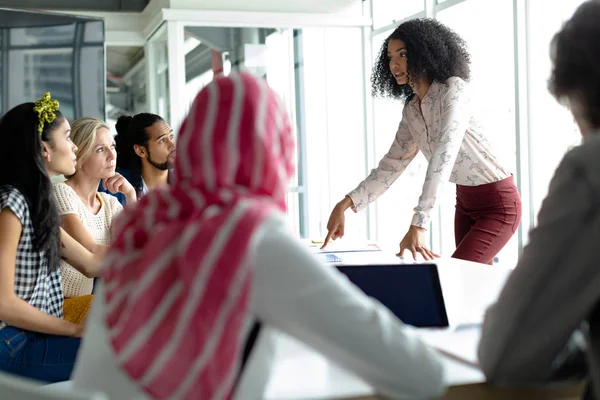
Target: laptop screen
{"points": [[411, 291]]}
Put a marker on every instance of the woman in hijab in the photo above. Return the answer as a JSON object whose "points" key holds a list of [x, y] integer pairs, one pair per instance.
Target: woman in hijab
{"points": [[202, 271]]}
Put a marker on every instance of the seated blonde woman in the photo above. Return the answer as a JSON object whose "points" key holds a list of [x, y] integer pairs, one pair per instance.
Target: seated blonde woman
{"points": [[86, 214]]}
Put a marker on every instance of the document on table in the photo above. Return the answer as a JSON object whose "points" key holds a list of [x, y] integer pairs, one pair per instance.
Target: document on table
{"points": [[341, 246], [359, 258]]}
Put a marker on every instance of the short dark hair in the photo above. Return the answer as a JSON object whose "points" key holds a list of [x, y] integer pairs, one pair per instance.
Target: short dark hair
{"points": [[434, 52], [131, 130], [22, 165], [576, 60]]}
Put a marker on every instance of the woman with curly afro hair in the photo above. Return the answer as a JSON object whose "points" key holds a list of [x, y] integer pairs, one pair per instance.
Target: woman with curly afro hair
{"points": [[426, 65]]}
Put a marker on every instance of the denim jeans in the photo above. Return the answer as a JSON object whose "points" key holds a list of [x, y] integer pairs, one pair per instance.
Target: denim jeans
{"points": [[37, 356]]}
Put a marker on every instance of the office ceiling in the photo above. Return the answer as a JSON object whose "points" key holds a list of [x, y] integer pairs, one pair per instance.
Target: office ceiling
{"points": [[87, 5], [121, 59], [10, 18], [139, 5]]}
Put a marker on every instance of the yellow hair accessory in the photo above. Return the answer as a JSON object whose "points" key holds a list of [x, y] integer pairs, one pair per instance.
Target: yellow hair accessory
{"points": [[46, 110]]}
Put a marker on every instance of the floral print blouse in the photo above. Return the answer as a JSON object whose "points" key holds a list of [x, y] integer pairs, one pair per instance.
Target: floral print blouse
{"points": [[451, 140]]}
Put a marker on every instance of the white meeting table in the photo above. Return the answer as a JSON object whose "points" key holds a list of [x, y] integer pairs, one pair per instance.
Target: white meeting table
{"points": [[301, 373]]}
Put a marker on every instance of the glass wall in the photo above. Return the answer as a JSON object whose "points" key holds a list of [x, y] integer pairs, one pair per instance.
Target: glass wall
{"points": [[324, 99], [161, 92], [334, 100], [62, 55], [386, 12], [280, 73], [268, 52], [162, 79]]}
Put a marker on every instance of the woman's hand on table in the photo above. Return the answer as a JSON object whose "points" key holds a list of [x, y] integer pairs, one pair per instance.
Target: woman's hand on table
{"points": [[414, 241]]}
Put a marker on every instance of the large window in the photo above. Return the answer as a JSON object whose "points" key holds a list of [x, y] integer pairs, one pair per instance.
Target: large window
{"points": [[334, 123], [280, 73], [276, 54], [386, 12], [157, 69], [493, 88]]}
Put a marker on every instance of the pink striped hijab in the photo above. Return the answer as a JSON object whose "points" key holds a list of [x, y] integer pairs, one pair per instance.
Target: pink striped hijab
{"points": [[178, 276]]}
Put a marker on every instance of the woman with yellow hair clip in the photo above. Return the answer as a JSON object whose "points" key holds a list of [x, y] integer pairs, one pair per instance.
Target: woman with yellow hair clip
{"points": [[35, 340]]}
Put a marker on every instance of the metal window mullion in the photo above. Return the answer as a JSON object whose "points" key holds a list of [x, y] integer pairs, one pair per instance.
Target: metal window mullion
{"points": [[176, 73], [76, 69], [104, 70], [368, 120], [298, 62], [522, 111], [53, 46], [5, 70], [297, 189], [436, 238], [429, 7]]}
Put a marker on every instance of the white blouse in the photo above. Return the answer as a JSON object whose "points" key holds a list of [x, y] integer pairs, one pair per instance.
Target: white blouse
{"points": [[293, 292], [452, 141], [98, 225]]}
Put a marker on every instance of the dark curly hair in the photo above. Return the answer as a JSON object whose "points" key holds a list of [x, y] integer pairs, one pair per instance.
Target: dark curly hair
{"points": [[435, 52], [576, 61]]}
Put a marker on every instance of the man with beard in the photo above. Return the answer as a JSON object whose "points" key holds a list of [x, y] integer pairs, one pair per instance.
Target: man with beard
{"points": [[145, 152]]}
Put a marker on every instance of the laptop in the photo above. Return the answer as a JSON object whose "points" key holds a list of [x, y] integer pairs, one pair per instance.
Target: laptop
{"points": [[413, 292]]}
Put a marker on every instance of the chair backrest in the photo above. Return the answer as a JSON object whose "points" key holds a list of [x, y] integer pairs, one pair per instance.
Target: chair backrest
{"points": [[16, 388]]}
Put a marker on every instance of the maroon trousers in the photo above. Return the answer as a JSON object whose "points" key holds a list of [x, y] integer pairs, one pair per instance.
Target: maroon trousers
{"points": [[486, 218]]}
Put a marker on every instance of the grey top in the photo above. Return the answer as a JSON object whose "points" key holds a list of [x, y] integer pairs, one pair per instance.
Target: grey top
{"points": [[556, 284]]}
